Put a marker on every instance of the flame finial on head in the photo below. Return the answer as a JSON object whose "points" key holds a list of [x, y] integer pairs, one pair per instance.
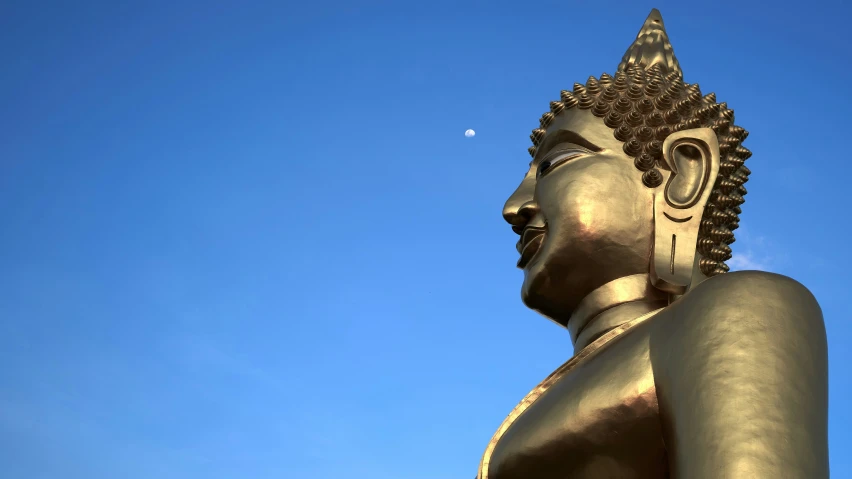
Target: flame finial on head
{"points": [[652, 47]]}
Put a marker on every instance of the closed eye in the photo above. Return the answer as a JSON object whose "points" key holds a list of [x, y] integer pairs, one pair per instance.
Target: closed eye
{"points": [[559, 158]]}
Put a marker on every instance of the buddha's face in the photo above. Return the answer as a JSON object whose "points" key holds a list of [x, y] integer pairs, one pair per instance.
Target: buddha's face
{"points": [[583, 214]]}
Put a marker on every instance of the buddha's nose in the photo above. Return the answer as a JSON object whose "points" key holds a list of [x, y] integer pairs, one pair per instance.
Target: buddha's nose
{"points": [[519, 208], [520, 215]]}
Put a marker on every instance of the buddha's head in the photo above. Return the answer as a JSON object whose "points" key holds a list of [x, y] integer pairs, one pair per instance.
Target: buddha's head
{"points": [[633, 173]]}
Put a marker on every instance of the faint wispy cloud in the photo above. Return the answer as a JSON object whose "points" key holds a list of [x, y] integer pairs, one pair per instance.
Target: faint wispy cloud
{"points": [[755, 252], [742, 261]]}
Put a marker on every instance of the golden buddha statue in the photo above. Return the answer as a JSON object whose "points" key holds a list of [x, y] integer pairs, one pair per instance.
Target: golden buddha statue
{"points": [[625, 219]]}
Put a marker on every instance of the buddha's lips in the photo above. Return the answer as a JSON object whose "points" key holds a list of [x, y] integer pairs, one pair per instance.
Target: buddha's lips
{"points": [[528, 246]]}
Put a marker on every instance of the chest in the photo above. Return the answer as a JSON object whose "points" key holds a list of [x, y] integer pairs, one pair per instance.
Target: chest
{"points": [[599, 420]]}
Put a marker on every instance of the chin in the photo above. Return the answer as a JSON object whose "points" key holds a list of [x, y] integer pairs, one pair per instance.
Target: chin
{"points": [[539, 293]]}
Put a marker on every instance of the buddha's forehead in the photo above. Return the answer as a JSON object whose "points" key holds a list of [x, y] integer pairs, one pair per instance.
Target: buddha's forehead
{"points": [[587, 125]]}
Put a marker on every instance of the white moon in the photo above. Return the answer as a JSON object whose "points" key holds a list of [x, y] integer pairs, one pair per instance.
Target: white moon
{"points": [[469, 133]]}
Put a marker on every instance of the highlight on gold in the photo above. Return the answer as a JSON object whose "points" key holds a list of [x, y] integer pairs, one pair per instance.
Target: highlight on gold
{"points": [[625, 221]]}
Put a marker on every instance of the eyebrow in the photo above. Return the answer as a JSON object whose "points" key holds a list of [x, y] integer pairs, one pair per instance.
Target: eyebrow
{"points": [[566, 136]]}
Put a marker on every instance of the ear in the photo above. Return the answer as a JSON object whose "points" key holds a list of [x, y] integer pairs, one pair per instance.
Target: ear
{"points": [[692, 157]]}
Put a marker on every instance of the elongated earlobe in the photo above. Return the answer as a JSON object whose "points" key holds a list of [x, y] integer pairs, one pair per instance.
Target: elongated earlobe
{"points": [[692, 157]]}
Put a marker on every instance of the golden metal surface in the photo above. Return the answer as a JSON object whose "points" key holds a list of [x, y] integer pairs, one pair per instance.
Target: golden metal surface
{"points": [[622, 290], [551, 380], [625, 219]]}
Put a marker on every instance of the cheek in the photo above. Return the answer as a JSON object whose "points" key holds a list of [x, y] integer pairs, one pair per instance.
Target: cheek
{"points": [[594, 200]]}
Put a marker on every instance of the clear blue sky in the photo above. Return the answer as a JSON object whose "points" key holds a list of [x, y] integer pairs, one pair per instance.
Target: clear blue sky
{"points": [[250, 240]]}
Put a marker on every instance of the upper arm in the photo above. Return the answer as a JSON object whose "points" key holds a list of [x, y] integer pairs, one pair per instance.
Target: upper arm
{"points": [[742, 380]]}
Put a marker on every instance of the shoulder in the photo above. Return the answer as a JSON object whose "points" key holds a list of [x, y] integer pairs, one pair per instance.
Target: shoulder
{"points": [[750, 313], [754, 284], [749, 300]]}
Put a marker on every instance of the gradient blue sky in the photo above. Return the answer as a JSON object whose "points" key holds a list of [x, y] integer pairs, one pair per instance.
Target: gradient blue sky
{"points": [[250, 240]]}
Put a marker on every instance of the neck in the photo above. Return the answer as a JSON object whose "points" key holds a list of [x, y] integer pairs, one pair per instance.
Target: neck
{"points": [[612, 305]]}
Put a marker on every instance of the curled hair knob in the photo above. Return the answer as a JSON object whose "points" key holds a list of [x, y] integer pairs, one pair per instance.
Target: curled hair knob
{"points": [[726, 185], [652, 178], [623, 133], [684, 107], [592, 86], [726, 167], [654, 148], [737, 132], [656, 119], [652, 89], [720, 125], [623, 105], [672, 116], [634, 92], [645, 106], [662, 132], [644, 133], [634, 118], [601, 107], [644, 162], [705, 245], [620, 83], [609, 94], [720, 254], [613, 119], [673, 76], [692, 123], [568, 99], [742, 152], [633, 147], [663, 102], [694, 97], [708, 266], [705, 112], [585, 101]]}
